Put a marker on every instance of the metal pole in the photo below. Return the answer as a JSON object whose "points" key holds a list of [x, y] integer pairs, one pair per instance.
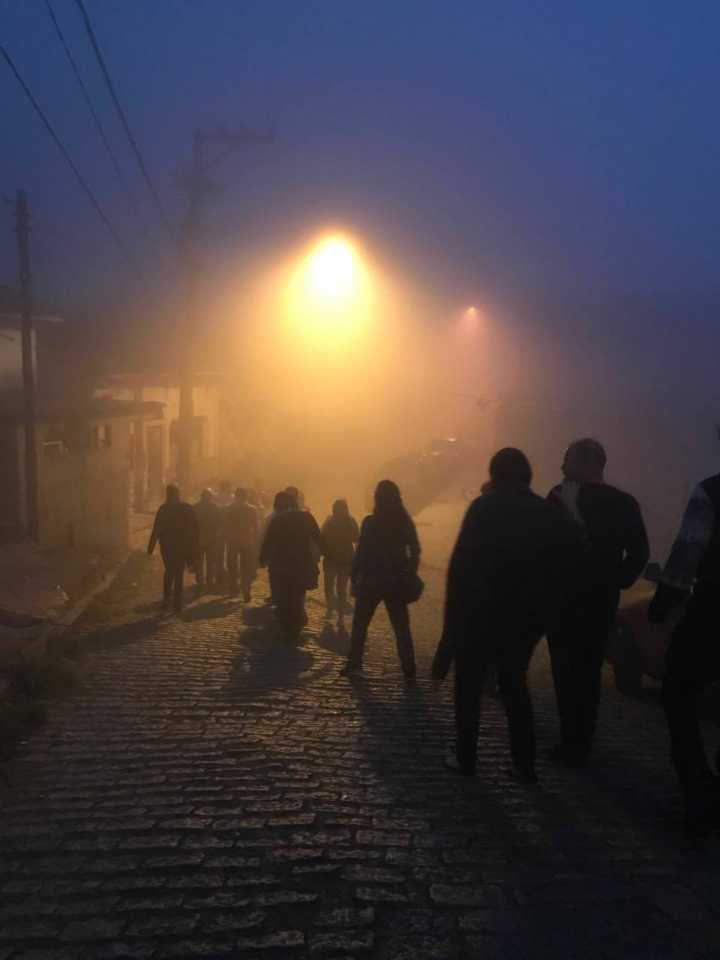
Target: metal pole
{"points": [[187, 412], [28, 370], [198, 188]]}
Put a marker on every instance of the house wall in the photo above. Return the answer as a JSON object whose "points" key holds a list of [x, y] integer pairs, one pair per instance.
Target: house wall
{"points": [[84, 495], [12, 481], [206, 405]]}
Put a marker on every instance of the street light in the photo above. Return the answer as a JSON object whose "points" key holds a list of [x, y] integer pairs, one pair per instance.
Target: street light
{"points": [[332, 272], [330, 296]]}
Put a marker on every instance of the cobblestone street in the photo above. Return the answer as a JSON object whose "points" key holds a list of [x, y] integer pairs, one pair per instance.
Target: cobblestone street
{"points": [[210, 791]]}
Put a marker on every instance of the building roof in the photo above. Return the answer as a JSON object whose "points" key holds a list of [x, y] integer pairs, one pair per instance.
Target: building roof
{"points": [[99, 411], [157, 378], [10, 307]]}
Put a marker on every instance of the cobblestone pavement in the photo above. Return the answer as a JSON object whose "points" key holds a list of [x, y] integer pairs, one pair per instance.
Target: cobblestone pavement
{"points": [[211, 791]]}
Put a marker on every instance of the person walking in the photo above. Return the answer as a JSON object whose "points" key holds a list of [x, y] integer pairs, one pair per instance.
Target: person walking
{"points": [[287, 551], [505, 585], [385, 570], [223, 498], [208, 519], [615, 553], [176, 530], [242, 532], [690, 586], [340, 534]]}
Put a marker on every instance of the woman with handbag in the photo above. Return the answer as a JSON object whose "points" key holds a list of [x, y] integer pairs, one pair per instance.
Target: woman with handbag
{"points": [[385, 570]]}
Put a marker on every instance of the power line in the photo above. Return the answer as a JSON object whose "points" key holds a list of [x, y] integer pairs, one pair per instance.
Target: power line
{"points": [[123, 117], [86, 95], [61, 146]]}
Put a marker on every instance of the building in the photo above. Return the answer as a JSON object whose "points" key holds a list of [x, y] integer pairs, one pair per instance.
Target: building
{"points": [[83, 465], [155, 440]]}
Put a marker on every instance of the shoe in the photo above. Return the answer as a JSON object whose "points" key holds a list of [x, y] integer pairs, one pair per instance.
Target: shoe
{"points": [[451, 762], [410, 674], [351, 671], [702, 807], [524, 775], [572, 757]]}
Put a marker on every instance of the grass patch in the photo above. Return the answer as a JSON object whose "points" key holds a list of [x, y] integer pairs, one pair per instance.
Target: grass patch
{"points": [[32, 679], [18, 718]]}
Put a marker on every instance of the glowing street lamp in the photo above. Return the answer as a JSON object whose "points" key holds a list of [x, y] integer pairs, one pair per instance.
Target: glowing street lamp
{"points": [[330, 294], [332, 272]]}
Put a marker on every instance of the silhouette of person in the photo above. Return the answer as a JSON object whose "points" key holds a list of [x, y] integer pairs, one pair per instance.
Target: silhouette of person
{"points": [[614, 555], [176, 529], [242, 531], [209, 519], [223, 498], [691, 583], [340, 534], [506, 580], [287, 551], [388, 552]]}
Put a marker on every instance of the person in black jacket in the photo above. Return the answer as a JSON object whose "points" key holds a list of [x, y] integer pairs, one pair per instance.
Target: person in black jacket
{"points": [[387, 557], [507, 576], [691, 578], [176, 529], [340, 533], [209, 519], [288, 549], [615, 553]]}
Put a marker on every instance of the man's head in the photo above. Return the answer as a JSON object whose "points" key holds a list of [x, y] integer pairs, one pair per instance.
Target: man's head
{"points": [[241, 495], [510, 469], [585, 461], [340, 509], [206, 496], [296, 496], [283, 501], [172, 493]]}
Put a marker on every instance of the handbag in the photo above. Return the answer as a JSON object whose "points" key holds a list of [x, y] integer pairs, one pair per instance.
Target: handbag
{"points": [[411, 587]]}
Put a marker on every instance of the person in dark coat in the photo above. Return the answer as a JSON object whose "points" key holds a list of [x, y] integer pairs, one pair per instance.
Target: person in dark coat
{"points": [[340, 534], [507, 577], [615, 553], [176, 530], [242, 532], [388, 553], [209, 519], [690, 583], [287, 550]]}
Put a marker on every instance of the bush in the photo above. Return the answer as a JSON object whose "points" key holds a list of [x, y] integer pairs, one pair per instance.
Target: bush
{"points": [[37, 676], [17, 719]]}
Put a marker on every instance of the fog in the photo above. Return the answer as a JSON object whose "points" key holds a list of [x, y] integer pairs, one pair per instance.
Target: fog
{"points": [[326, 404]]}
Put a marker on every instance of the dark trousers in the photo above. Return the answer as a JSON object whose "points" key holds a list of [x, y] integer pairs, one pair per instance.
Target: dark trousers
{"points": [[365, 607], [206, 569], [241, 560], [471, 670], [289, 597], [173, 579], [337, 577], [577, 650], [693, 663]]}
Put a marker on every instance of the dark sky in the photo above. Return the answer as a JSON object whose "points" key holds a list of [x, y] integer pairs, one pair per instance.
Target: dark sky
{"points": [[479, 143]]}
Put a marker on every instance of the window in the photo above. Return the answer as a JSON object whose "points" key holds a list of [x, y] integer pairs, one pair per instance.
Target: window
{"points": [[103, 435]]}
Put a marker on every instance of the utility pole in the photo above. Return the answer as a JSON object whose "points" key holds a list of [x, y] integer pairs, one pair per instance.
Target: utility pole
{"points": [[199, 188], [28, 369]]}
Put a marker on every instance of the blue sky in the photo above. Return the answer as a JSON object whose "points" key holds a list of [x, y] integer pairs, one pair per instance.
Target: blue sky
{"points": [[503, 144]]}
